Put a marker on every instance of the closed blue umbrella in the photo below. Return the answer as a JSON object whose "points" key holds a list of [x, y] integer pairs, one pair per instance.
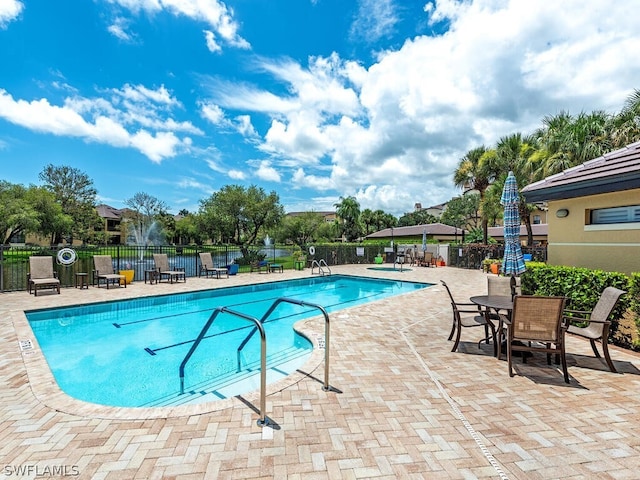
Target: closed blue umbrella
{"points": [[424, 239], [513, 262]]}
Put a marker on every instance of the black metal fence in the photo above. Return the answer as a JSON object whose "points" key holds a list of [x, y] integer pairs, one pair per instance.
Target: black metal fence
{"points": [[14, 260], [470, 255]]}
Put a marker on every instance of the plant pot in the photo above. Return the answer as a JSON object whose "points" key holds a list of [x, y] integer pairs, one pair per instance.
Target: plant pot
{"points": [[128, 276], [441, 263], [232, 269], [377, 260], [495, 268]]}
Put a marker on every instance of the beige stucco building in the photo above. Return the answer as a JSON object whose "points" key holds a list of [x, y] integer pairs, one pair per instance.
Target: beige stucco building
{"points": [[594, 212]]}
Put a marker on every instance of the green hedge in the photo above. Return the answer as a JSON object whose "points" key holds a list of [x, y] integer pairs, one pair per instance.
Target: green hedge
{"points": [[581, 286]]}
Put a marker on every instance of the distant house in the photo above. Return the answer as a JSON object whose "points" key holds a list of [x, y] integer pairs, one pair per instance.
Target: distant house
{"points": [[436, 210], [594, 212], [112, 218], [434, 231]]}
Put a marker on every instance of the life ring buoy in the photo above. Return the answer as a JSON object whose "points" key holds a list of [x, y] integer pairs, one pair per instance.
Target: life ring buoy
{"points": [[312, 250], [66, 256]]}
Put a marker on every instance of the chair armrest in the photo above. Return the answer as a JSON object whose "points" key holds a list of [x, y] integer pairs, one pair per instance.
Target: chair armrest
{"points": [[579, 312], [467, 311], [588, 320], [180, 269]]}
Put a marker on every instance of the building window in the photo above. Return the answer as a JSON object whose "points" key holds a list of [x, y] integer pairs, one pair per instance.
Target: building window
{"points": [[607, 216], [536, 220]]}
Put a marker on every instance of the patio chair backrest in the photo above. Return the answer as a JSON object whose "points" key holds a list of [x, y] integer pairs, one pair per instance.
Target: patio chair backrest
{"points": [[162, 261], [206, 260], [448, 291], [607, 301], [103, 264], [41, 267], [536, 318], [499, 286]]}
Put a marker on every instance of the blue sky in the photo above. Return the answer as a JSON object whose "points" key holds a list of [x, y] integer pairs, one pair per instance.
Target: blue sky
{"points": [[314, 99]]}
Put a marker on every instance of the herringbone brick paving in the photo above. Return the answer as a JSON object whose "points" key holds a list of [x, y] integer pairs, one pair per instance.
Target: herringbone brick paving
{"points": [[402, 406]]}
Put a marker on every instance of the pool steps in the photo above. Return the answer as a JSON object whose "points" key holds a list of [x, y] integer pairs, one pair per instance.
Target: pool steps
{"points": [[229, 385]]}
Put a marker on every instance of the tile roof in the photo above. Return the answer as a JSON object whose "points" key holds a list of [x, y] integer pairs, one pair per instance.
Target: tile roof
{"points": [[416, 230], [613, 172], [107, 211]]}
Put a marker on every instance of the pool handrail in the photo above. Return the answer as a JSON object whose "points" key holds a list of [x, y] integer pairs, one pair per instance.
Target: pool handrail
{"points": [[321, 264], [301, 303], [264, 420]]}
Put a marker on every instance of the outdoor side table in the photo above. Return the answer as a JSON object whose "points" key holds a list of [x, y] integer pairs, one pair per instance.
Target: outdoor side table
{"points": [[82, 280], [276, 267], [151, 275]]}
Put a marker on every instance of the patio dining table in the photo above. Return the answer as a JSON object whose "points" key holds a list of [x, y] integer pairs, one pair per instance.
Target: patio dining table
{"points": [[497, 303]]}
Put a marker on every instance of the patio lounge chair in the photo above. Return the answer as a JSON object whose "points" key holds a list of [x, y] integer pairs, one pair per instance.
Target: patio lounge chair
{"points": [[468, 315], [41, 275], [206, 266], [598, 322], [103, 270], [536, 324], [261, 266], [162, 266]]}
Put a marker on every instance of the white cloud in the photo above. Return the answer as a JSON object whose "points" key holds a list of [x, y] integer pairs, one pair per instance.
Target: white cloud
{"points": [[119, 29], [9, 11], [212, 12], [213, 113], [266, 172], [375, 20], [393, 133], [98, 120], [212, 45]]}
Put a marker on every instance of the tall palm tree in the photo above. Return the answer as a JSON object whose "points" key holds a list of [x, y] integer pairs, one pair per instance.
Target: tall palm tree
{"points": [[472, 174], [566, 141], [513, 153], [626, 125], [348, 211]]}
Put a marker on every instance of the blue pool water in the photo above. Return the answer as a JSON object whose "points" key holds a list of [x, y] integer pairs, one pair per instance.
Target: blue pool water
{"points": [[127, 353]]}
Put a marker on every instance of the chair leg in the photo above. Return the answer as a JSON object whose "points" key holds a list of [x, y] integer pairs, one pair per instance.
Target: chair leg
{"points": [[453, 330], [605, 350], [594, 348], [563, 357], [509, 357], [455, 345]]}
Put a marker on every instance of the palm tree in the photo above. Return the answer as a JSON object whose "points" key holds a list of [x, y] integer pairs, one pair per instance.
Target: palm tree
{"points": [[566, 141], [472, 174], [626, 125], [348, 211], [513, 154]]}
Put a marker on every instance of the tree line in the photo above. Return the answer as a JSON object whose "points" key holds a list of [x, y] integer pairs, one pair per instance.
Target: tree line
{"points": [[563, 141]]}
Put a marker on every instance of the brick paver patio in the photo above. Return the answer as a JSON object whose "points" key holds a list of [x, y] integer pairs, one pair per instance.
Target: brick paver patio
{"points": [[402, 406]]}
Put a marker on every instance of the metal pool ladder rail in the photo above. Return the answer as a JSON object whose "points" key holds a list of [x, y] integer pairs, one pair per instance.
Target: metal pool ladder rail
{"points": [[322, 267], [263, 421]]}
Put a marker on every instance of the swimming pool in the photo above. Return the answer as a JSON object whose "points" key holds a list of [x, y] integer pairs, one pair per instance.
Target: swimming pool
{"points": [[127, 353]]}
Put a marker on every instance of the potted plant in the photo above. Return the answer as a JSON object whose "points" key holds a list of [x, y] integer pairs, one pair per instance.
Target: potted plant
{"points": [[440, 262], [486, 264], [495, 266], [378, 259]]}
